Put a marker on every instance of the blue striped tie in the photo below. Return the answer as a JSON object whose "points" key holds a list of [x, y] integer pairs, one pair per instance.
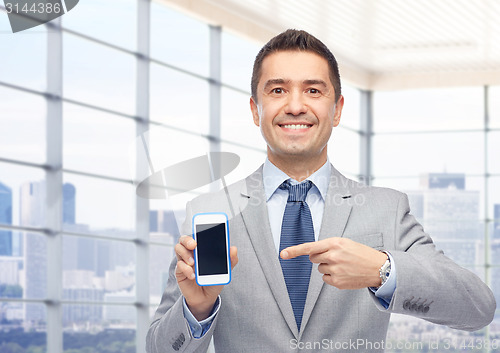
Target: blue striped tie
{"points": [[297, 228]]}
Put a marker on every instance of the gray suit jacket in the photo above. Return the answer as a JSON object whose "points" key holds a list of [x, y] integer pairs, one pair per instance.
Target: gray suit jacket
{"points": [[255, 312]]}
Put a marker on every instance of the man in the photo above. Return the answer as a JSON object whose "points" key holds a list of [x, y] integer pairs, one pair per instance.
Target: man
{"points": [[369, 256]]}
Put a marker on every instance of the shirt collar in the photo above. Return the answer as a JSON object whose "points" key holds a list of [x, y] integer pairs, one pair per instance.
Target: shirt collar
{"points": [[273, 177]]}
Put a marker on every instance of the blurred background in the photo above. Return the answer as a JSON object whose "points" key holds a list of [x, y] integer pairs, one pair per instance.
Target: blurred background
{"points": [[96, 101]]}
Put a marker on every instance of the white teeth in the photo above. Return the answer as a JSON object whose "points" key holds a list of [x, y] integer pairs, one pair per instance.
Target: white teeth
{"points": [[296, 126]]}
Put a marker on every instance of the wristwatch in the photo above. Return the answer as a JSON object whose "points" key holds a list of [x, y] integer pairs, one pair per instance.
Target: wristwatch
{"points": [[385, 270]]}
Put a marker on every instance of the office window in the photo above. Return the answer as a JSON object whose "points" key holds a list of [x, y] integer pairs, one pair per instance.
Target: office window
{"points": [[418, 150], [104, 318], [103, 77], [24, 56], [428, 109], [493, 152], [412, 154], [100, 271], [237, 121], [430, 182], [461, 241], [343, 150], [179, 40], [35, 333], [160, 258], [86, 135], [398, 183], [250, 160], [495, 285], [111, 21], [451, 216], [101, 206], [22, 126], [494, 106], [25, 258], [166, 147], [22, 195], [97, 271], [179, 100], [494, 235], [165, 151], [494, 199], [237, 65], [352, 104]]}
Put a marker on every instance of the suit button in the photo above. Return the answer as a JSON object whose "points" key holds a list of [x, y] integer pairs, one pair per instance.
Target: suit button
{"points": [[406, 304], [425, 309], [179, 342], [414, 307]]}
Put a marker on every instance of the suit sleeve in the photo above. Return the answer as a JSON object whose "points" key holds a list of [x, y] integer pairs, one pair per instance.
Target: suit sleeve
{"points": [[169, 331], [430, 285]]}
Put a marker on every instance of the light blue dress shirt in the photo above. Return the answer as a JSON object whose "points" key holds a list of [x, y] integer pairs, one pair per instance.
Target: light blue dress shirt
{"points": [[276, 199]]}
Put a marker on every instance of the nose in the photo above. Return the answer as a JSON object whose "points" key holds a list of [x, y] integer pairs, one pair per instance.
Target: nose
{"points": [[295, 104]]}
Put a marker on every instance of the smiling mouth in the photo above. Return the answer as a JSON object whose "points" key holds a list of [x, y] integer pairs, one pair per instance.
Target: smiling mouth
{"points": [[295, 126]]}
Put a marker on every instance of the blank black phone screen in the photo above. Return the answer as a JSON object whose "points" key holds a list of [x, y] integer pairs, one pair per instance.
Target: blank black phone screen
{"points": [[211, 248]]}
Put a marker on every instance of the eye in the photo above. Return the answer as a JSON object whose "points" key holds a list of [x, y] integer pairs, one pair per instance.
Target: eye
{"points": [[314, 91], [277, 90]]}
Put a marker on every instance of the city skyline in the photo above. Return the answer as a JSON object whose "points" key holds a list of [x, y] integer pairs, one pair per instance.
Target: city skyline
{"points": [[93, 269]]}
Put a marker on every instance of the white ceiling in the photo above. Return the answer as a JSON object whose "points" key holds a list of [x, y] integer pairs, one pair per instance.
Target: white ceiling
{"points": [[380, 44]]}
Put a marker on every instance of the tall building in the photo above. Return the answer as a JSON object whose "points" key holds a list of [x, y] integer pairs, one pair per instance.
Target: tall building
{"points": [[496, 222], [443, 181], [163, 229], [495, 252], [160, 258], [5, 218], [32, 207], [119, 315], [75, 314], [153, 220], [79, 285], [69, 193], [103, 252], [450, 214], [163, 222], [32, 213], [97, 255], [9, 271]]}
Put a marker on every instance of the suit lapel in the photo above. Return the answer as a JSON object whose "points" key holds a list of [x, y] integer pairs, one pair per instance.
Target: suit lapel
{"points": [[256, 219], [335, 215]]}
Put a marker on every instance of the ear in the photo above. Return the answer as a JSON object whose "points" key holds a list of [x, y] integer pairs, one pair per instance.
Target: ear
{"points": [[255, 111], [338, 111]]}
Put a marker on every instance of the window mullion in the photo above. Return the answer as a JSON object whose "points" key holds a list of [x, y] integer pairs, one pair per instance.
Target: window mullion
{"points": [[142, 204], [54, 180]]}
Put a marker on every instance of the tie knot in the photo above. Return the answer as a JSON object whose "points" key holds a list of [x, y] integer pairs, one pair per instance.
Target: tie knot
{"points": [[296, 192]]}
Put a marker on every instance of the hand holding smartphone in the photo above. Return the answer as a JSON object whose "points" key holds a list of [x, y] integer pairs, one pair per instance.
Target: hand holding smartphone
{"points": [[211, 256]]}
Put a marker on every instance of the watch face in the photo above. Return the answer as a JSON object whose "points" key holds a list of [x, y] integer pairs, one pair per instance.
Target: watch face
{"points": [[385, 270]]}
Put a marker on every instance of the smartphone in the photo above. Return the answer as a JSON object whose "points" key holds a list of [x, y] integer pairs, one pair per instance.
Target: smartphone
{"points": [[211, 255]]}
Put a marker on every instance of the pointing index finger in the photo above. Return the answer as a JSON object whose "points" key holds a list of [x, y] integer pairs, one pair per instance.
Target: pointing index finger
{"points": [[310, 248]]}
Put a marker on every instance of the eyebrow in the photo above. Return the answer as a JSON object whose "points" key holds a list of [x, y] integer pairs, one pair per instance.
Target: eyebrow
{"points": [[280, 81], [275, 81], [315, 82]]}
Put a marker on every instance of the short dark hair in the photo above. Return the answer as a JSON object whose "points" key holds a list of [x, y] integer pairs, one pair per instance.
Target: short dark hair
{"points": [[296, 40]]}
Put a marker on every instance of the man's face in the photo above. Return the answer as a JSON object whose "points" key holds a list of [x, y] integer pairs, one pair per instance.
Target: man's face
{"points": [[295, 105]]}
